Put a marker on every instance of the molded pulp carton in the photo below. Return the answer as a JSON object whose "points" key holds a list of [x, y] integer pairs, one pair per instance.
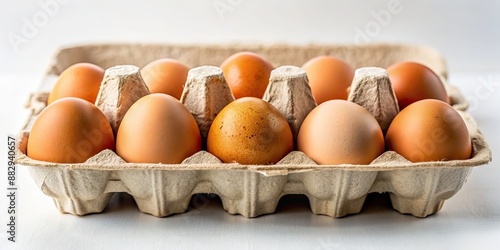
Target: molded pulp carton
{"points": [[419, 189]]}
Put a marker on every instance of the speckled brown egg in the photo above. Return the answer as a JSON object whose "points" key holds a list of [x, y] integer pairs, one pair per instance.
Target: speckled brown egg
{"points": [[429, 130], [250, 131], [340, 132]]}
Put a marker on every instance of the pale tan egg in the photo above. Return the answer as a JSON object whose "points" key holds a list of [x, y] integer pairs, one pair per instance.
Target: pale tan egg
{"points": [[340, 132]]}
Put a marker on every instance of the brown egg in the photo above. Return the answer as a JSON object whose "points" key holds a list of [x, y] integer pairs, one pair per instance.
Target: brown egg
{"points": [[340, 132], [166, 76], [157, 129], [247, 74], [329, 78], [70, 130], [81, 80], [413, 82], [429, 130], [250, 131]]}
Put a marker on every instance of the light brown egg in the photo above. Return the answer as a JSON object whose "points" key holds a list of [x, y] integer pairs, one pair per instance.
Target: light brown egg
{"points": [[340, 132], [413, 82], [429, 130], [81, 80], [166, 76], [247, 74], [250, 131], [157, 129], [70, 130], [329, 78]]}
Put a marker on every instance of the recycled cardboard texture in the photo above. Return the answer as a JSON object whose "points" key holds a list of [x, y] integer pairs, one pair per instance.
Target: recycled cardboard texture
{"points": [[374, 82], [205, 94], [289, 92], [251, 190], [120, 88]]}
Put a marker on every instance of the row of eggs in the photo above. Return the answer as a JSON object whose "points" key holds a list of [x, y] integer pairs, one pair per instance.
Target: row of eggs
{"points": [[159, 129]]}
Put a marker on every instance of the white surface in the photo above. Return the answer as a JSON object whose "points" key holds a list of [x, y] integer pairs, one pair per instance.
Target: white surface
{"points": [[466, 32]]}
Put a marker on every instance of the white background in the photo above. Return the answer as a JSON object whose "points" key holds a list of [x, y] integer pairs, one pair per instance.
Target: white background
{"points": [[466, 32]]}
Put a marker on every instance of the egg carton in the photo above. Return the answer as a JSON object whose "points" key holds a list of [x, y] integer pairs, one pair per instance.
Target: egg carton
{"points": [[419, 189]]}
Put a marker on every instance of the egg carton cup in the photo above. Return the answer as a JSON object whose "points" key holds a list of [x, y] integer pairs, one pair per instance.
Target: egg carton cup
{"points": [[419, 189]]}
